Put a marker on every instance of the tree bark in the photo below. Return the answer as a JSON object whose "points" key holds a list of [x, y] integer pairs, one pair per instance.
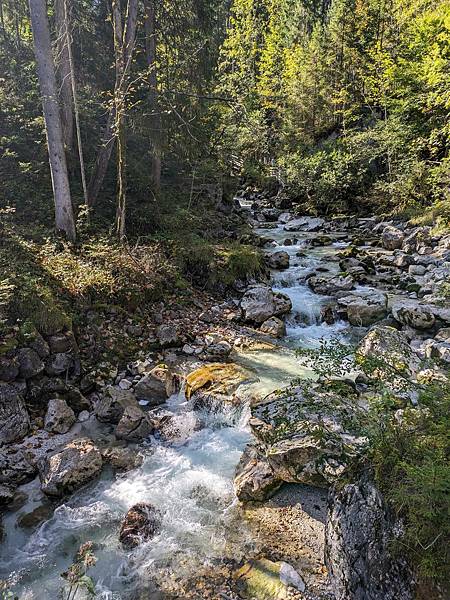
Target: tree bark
{"points": [[109, 134], [47, 80], [63, 73], [68, 35], [155, 123], [119, 103]]}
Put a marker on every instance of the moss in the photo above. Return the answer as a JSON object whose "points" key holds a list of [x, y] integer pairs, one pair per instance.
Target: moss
{"points": [[241, 262], [7, 345], [261, 579], [219, 378]]}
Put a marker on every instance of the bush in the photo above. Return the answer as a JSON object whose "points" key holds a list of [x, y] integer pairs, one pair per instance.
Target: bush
{"points": [[410, 453]]}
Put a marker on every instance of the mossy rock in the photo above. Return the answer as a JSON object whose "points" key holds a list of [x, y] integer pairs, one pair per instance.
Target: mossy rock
{"points": [[221, 379], [267, 580]]}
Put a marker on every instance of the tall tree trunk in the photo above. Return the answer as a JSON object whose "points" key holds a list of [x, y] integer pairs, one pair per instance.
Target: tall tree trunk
{"points": [[63, 73], [68, 35], [119, 103], [155, 122], [109, 134], [47, 80]]}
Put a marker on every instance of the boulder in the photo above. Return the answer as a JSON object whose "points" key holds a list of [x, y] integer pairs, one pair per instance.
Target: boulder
{"points": [[14, 418], [215, 382], [271, 214], [68, 469], [59, 417], [152, 387], [177, 429], [57, 364], [37, 343], [9, 368], [364, 309], [122, 459], [328, 285], [417, 239], [61, 342], [274, 327], [418, 270], [392, 238], [358, 539], [278, 260], [16, 468], [413, 314], [393, 360], [30, 363], [443, 335], [255, 479], [441, 351], [167, 335], [141, 523], [113, 403], [259, 303], [134, 425], [305, 224], [308, 434], [6, 494], [218, 350]]}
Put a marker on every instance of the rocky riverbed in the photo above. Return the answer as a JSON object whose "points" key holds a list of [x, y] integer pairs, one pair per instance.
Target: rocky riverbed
{"points": [[202, 469]]}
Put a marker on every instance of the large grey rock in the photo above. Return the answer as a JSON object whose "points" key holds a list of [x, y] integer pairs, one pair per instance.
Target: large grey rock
{"points": [[358, 536], [167, 335], [255, 479], [218, 350], [122, 459], [152, 387], [329, 285], [364, 309], [58, 364], [9, 368], [308, 434], [390, 356], [305, 224], [392, 238], [413, 314], [14, 418], [134, 425], [30, 363], [37, 343], [259, 303], [59, 417], [278, 260], [70, 468], [16, 467], [274, 327], [61, 342], [418, 238], [113, 403]]}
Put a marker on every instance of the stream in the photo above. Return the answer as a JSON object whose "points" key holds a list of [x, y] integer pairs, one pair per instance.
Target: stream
{"points": [[190, 481]]}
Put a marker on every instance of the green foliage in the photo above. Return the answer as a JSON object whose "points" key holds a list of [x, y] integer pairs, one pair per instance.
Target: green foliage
{"points": [[410, 452], [352, 103], [76, 575]]}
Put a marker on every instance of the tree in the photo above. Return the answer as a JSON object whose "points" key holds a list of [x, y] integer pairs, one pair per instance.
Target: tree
{"points": [[124, 41], [63, 72], [64, 217], [155, 121]]}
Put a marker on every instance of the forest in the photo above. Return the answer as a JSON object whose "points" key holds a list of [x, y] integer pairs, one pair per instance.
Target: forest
{"points": [[224, 299]]}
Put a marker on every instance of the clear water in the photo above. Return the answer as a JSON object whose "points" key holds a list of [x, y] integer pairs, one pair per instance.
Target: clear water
{"points": [[190, 480]]}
